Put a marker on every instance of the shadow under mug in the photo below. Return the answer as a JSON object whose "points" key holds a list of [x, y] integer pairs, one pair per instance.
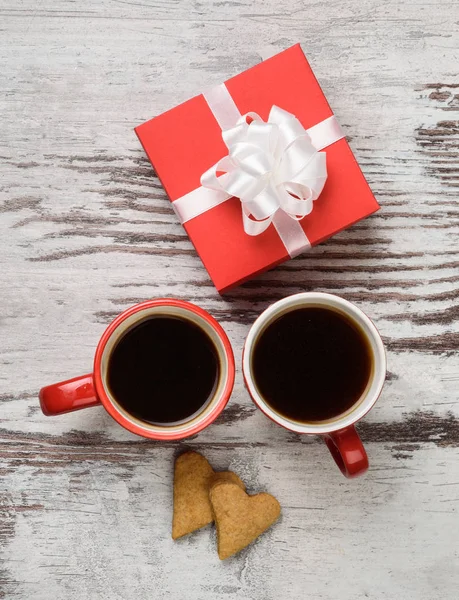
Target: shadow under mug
{"points": [[92, 390], [339, 433]]}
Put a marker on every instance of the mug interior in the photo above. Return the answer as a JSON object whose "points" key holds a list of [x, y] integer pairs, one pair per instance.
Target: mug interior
{"points": [[360, 321], [187, 426]]}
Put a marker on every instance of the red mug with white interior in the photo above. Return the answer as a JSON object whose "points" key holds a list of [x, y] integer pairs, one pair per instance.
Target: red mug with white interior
{"points": [[315, 364], [163, 369]]}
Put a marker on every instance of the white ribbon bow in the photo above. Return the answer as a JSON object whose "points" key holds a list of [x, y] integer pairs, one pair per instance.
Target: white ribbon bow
{"points": [[271, 166]]}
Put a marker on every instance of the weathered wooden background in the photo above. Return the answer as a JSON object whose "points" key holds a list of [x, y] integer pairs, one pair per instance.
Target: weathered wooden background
{"points": [[86, 230]]}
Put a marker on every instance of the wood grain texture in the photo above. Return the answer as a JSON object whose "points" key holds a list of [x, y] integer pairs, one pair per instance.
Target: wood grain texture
{"points": [[86, 230]]}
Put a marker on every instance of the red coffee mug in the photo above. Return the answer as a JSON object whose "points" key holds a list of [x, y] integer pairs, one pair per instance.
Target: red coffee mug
{"points": [[92, 390], [339, 433]]}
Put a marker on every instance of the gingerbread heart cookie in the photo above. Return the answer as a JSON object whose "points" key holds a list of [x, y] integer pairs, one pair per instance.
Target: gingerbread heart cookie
{"points": [[193, 477], [240, 518], [225, 477]]}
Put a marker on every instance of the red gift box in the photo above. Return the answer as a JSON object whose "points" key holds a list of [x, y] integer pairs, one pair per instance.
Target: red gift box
{"points": [[183, 143]]}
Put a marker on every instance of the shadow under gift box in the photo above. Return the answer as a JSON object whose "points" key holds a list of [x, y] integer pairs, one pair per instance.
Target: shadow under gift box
{"points": [[186, 141]]}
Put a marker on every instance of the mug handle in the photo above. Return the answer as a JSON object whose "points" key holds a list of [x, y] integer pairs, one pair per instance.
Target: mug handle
{"points": [[67, 396], [347, 449]]}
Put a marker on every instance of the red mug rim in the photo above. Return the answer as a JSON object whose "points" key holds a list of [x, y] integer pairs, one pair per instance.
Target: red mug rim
{"points": [[169, 433]]}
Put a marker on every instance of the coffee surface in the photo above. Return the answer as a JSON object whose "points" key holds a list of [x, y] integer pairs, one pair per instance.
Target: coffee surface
{"points": [[311, 364], [164, 370]]}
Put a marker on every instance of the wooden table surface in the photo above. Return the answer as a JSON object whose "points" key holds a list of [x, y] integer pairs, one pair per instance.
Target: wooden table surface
{"points": [[86, 231]]}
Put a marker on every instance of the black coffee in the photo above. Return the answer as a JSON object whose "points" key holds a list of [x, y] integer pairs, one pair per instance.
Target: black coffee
{"points": [[311, 364], [164, 370]]}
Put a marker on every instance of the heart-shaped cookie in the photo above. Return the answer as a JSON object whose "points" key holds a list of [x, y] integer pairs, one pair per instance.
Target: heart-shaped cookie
{"points": [[224, 477], [240, 518], [193, 477]]}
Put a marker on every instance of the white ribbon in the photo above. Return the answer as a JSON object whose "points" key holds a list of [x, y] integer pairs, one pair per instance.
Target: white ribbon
{"points": [[276, 169], [270, 166]]}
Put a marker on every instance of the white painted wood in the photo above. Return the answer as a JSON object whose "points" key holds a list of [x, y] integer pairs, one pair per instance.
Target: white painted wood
{"points": [[86, 230]]}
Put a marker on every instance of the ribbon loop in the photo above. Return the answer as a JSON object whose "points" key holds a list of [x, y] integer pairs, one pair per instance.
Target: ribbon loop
{"points": [[271, 166]]}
